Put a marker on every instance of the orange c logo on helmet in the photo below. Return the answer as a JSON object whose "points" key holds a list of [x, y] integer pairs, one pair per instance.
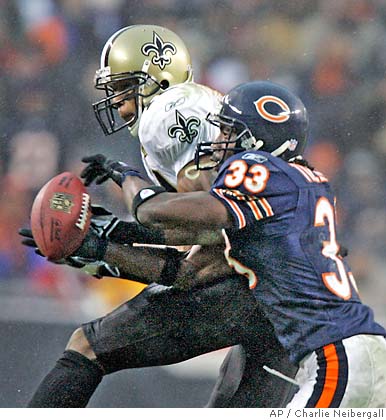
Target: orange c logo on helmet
{"points": [[279, 118]]}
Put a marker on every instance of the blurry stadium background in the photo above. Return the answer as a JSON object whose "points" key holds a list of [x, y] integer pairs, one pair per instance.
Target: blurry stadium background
{"points": [[332, 53]]}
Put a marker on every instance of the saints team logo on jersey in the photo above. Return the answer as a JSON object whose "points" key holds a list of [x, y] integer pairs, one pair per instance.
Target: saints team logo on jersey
{"points": [[186, 129], [159, 48]]}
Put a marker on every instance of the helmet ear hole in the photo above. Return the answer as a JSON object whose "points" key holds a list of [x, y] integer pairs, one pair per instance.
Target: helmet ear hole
{"points": [[164, 84]]}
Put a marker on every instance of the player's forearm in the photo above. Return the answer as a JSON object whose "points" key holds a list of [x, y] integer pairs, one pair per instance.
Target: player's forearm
{"points": [[130, 188], [178, 216], [142, 264], [168, 266], [128, 233], [175, 237], [181, 217]]}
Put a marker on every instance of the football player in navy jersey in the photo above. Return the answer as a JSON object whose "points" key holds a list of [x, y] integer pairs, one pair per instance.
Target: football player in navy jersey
{"points": [[277, 215]]}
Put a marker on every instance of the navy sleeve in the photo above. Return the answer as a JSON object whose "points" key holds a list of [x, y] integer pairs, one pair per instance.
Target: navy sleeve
{"points": [[243, 185]]}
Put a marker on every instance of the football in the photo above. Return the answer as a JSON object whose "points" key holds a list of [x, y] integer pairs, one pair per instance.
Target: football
{"points": [[60, 216]]}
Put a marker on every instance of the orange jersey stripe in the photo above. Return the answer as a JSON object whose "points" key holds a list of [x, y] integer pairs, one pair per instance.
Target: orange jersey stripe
{"points": [[255, 210], [253, 205], [302, 170], [311, 176], [240, 216], [332, 374], [320, 176], [266, 206]]}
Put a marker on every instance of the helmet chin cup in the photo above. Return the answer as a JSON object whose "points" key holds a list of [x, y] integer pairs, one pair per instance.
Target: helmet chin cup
{"points": [[133, 129], [251, 143]]}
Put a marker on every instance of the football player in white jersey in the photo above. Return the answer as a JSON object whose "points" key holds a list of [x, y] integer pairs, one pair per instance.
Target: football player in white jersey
{"points": [[147, 78], [169, 129]]}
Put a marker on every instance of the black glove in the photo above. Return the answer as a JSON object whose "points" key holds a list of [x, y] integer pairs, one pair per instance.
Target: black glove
{"points": [[81, 258], [105, 223], [93, 248], [30, 242], [100, 169], [109, 226]]}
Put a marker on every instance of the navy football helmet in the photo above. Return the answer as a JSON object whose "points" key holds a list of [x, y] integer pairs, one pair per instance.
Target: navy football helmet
{"points": [[258, 115]]}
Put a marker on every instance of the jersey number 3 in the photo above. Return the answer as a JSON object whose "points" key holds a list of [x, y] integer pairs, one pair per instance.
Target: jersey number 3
{"points": [[253, 178], [339, 285]]}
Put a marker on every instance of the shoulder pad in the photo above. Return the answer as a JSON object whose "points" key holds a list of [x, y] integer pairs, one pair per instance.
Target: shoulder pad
{"points": [[175, 121]]}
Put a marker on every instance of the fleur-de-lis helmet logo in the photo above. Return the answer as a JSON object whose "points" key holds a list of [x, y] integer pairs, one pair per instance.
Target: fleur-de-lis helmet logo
{"points": [[186, 129], [159, 48]]}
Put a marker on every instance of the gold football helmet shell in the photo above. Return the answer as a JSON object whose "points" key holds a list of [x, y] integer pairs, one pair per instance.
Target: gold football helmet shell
{"points": [[138, 62]]}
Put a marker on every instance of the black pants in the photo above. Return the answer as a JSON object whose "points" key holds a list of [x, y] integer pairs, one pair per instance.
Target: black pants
{"points": [[163, 325]]}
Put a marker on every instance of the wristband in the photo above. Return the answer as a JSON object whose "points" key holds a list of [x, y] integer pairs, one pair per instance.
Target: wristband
{"points": [[145, 194], [129, 172]]}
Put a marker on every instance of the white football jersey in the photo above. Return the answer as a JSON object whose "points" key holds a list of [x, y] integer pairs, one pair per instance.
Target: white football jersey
{"points": [[172, 125]]}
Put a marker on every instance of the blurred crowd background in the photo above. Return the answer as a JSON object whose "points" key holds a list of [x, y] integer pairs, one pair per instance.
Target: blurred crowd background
{"points": [[332, 53]]}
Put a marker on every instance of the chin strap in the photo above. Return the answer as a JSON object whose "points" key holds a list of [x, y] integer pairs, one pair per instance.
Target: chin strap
{"points": [[298, 157], [133, 129], [281, 149], [257, 144], [190, 77]]}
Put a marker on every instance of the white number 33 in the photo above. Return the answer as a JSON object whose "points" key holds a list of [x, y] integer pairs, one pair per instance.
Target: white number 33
{"points": [[324, 211], [253, 178]]}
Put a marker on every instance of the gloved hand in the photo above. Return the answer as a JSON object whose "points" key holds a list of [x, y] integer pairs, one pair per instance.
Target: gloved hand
{"points": [[30, 242], [104, 222], [100, 269], [88, 257], [108, 226], [93, 247], [100, 169]]}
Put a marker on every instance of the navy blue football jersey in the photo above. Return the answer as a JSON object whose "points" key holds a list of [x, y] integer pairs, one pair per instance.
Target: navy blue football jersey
{"points": [[284, 241]]}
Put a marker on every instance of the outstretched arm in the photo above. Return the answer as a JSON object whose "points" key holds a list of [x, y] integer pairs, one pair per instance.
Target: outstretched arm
{"points": [[186, 218], [168, 266], [145, 264], [198, 214]]}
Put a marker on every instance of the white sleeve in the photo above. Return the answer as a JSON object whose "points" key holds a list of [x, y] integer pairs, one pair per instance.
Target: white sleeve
{"points": [[174, 123]]}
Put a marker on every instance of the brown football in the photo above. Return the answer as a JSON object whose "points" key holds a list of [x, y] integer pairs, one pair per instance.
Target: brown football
{"points": [[60, 216]]}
